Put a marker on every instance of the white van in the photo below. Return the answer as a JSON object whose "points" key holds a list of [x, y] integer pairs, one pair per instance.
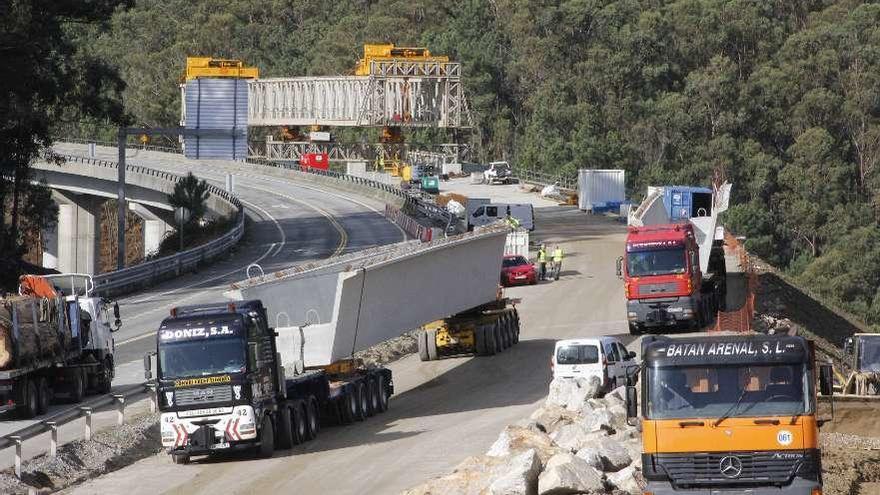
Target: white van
{"points": [[479, 214], [604, 357]]}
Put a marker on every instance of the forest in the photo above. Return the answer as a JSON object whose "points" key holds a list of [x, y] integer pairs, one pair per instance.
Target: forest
{"points": [[779, 97]]}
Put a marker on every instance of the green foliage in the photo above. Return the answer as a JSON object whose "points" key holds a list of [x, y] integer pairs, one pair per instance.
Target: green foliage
{"points": [[192, 194], [781, 97]]}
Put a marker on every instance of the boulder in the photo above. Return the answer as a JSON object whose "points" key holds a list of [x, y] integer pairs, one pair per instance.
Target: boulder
{"points": [[519, 476], [626, 481], [514, 439], [572, 393], [550, 417], [566, 474], [471, 477], [614, 455], [591, 455], [600, 420], [575, 436]]}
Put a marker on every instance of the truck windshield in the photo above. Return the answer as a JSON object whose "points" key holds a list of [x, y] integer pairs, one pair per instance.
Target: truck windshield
{"points": [[869, 354], [658, 262], [201, 358], [734, 391]]}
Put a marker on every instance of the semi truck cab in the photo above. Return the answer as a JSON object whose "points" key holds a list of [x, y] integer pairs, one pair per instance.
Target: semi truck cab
{"points": [[730, 414], [217, 377]]}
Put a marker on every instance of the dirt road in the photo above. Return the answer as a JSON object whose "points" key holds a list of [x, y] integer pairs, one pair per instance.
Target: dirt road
{"points": [[444, 410]]}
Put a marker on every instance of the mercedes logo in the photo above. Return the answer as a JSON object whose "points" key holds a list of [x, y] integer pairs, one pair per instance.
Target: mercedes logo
{"points": [[731, 466]]}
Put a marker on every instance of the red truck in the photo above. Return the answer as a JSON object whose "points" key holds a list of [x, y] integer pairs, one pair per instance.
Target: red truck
{"points": [[674, 270]]}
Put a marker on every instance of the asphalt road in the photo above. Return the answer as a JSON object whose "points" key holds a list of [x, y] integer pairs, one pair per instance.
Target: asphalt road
{"points": [[444, 410], [288, 223]]}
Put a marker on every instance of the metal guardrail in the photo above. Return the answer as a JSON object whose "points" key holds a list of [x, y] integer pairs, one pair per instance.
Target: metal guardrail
{"points": [[145, 274], [131, 146], [569, 183]]}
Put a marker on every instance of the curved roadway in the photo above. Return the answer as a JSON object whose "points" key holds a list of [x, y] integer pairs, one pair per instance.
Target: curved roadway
{"points": [[443, 411], [288, 223]]}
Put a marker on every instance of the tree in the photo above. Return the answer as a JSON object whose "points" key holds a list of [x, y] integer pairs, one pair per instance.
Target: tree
{"points": [[192, 194], [47, 78]]}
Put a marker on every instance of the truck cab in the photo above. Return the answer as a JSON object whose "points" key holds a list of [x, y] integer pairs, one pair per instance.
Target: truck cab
{"points": [[217, 377], [663, 282], [863, 349], [731, 413]]}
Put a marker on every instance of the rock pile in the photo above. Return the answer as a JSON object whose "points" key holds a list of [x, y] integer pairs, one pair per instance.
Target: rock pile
{"points": [[574, 443]]}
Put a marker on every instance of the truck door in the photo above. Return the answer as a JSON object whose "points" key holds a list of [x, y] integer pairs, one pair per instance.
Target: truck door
{"points": [[261, 359]]}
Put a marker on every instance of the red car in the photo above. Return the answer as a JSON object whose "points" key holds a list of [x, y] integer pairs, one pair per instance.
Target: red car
{"points": [[516, 270]]}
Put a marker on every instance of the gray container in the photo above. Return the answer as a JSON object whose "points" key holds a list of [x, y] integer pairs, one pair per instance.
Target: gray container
{"points": [[601, 189], [218, 109]]}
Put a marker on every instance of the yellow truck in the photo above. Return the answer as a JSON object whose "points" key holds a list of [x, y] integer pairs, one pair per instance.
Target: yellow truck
{"points": [[730, 414]]}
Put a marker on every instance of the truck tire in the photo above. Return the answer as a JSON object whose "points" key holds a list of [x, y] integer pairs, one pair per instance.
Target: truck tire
{"points": [[423, 346], [374, 395], [508, 331], [180, 458], [105, 376], [285, 435], [363, 403], [349, 405], [44, 394], [479, 341], [515, 319], [499, 339], [77, 387], [27, 400], [314, 420], [300, 433], [431, 337], [267, 439], [635, 329], [491, 346], [383, 393]]}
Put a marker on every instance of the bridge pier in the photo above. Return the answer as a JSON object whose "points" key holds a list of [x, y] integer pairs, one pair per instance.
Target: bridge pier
{"points": [[74, 245], [155, 226]]}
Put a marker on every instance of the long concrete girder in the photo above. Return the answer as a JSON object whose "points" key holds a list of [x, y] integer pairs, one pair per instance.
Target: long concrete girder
{"points": [[290, 222], [445, 410]]}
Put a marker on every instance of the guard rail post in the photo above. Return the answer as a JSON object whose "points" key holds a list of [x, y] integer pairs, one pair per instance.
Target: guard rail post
{"points": [[154, 397], [120, 409], [88, 413], [53, 441], [17, 440]]}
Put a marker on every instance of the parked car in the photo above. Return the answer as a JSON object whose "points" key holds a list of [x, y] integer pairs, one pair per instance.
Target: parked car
{"points": [[603, 357], [517, 270]]}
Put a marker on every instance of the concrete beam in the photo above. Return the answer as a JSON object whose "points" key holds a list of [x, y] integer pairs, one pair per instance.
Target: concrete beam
{"points": [[74, 246], [155, 227]]}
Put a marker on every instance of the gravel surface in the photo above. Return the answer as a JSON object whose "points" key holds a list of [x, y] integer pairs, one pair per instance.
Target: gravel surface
{"points": [[390, 350], [77, 461]]}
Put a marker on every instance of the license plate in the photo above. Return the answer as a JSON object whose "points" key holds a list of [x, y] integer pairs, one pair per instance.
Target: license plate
{"points": [[224, 445], [520, 277]]}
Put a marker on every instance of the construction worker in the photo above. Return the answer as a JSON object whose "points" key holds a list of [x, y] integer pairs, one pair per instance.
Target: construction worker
{"points": [[512, 221], [542, 262], [557, 262]]}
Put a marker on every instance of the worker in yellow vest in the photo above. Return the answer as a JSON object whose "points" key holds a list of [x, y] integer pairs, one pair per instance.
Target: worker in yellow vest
{"points": [[557, 262], [542, 262]]}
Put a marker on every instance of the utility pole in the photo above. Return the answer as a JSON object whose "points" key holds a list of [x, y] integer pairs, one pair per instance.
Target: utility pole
{"points": [[120, 200]]}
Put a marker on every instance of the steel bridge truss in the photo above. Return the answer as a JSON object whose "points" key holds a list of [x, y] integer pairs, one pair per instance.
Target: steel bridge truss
{"points": [[395, 94], [362, 152]]}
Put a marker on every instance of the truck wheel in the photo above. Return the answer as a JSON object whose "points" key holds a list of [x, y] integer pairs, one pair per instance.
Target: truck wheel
{"points": [[105, 379], [44, 396], [491, 346], [635, 329], [180, 458], [499, 339], [349, 406], [285, 428], [77, 387], [479, 341], [28, 405], [363, 403], [383, 394], [374, 396], [423, 346], [313, 422], [299, 423], [267, 439], [514, 326], [431, 336]]}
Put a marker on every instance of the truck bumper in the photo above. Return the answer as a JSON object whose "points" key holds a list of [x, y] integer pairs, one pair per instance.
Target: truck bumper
{"points": [[662, 312], [799, 486]]}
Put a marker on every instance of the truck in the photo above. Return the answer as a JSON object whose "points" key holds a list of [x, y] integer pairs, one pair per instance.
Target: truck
{"points": [[75, 349], [485, 330], [222, 386], [730, 414], [863, 349], [498, 173], [674, 268]]}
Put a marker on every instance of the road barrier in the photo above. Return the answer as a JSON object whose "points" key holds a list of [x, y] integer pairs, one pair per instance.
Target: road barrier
{"points": [[740, 319]]}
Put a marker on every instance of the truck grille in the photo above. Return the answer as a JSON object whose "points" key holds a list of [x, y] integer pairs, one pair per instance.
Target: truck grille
{"points": [[657, 289], [198, 396], [732, 468]]}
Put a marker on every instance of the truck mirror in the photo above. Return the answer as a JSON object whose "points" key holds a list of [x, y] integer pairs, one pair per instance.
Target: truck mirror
{"points": [[848, 345], [632, 403], [620, 267], [826, 379], [631, 355], [148, 365]]}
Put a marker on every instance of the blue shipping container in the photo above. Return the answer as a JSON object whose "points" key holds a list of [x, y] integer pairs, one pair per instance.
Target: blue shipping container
{"points": [[684, 202]]}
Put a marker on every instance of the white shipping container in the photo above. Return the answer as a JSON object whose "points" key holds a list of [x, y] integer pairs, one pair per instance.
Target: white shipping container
{"points": [[597, 188], [517, 243]]}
